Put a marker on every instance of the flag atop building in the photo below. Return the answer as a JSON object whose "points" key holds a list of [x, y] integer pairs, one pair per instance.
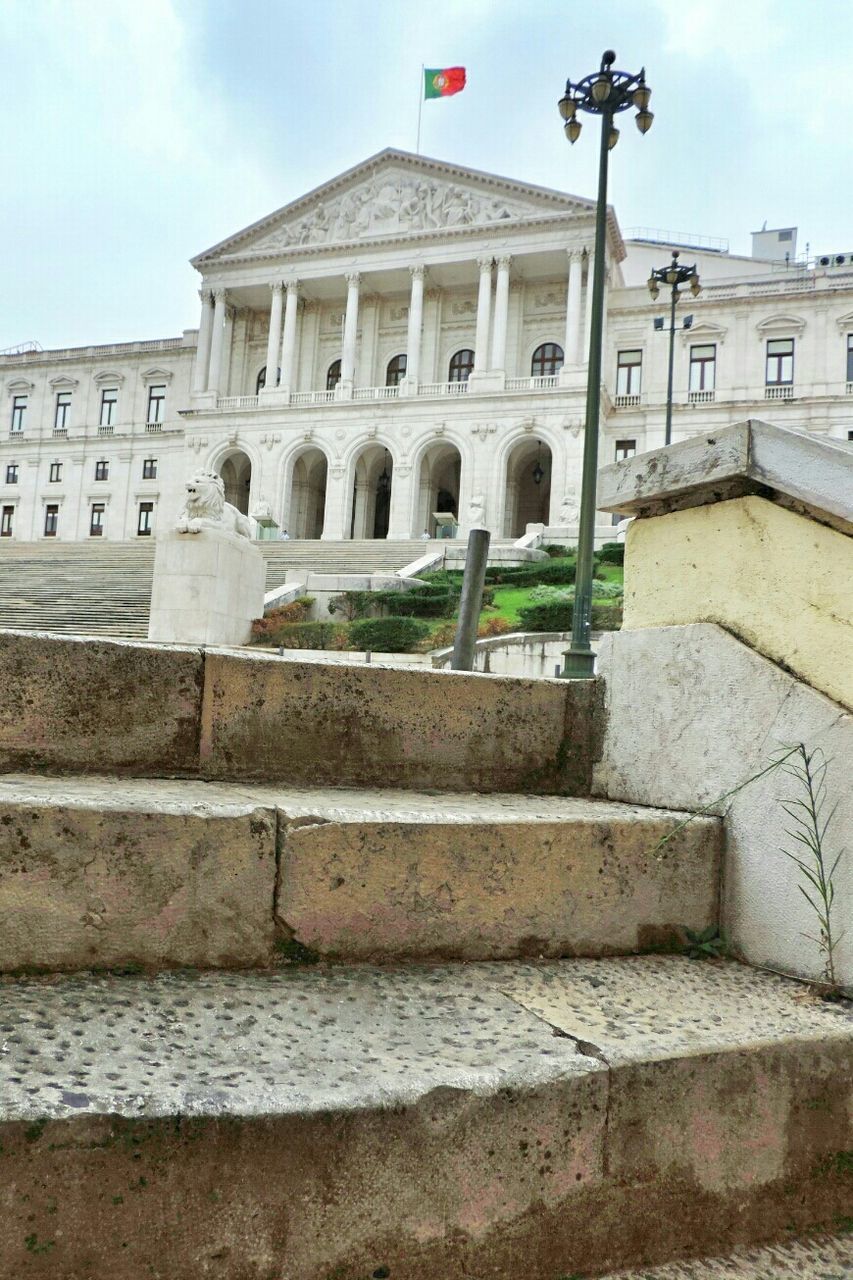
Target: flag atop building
{"points": [[441, 82]]}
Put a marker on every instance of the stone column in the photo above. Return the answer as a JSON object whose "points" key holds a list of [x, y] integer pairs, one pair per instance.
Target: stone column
{"points": [[410, 383], [274, 341], [350, 330], [484, 307], [288, 343], [573, 308], [587, 327], [217, 340], [205, 333], [400, 515], [338, 504], [501, 312], [227, 350]]}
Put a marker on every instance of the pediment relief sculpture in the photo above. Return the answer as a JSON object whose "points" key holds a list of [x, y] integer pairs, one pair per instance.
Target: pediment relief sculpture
{"points": [[393, 203]]}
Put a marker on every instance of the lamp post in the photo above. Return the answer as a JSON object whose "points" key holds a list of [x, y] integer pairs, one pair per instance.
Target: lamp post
{"points": [[605, 93], [675, 274]]}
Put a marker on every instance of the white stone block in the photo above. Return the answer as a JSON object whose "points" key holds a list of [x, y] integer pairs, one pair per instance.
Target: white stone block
{"points": [[207, 588]]}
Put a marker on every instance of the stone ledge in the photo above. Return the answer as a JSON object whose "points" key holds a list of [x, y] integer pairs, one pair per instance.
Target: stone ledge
{"points": [[418, 1123], [752, 457]]}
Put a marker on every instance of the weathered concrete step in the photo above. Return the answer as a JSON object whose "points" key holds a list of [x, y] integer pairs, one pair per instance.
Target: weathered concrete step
{"points": [[110, 873], [121, 707], [823, 1258], [578, 1116]]}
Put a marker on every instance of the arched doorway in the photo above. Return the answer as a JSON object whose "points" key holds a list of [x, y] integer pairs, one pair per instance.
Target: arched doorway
{"points": [[308, 495], [438, 485], [528, 487], [371, 494], [236, 472]]}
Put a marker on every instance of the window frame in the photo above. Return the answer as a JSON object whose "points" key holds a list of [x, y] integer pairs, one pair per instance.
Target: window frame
{"points": [[102, 469], [548, 361], [395, 369], [623, 449], [12, 472], [19, 412], [701, 363], [62, 411], [109, 406], [55, 475], [51, 519], [145, 528], [626, 386], [7, 516], [459, 370], [149, 468], [778, 357], [157, 402], [333, 375], [850, 357], [96, 527]]}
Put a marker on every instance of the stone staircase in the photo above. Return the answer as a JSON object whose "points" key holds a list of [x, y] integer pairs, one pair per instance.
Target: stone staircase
{"points": [[422, 1024]]}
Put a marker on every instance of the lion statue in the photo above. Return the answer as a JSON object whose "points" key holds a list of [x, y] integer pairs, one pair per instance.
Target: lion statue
{"points": [[206, 508]]}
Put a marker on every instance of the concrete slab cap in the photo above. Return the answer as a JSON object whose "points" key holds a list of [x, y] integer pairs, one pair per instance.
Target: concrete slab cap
{"points": [[824, 1258], [354, 726], [419, 1123], [97, 873], [87, 705], [750, 457]]}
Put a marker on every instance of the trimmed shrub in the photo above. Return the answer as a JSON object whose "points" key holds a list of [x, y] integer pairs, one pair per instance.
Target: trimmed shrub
{"points": [[421, 602], [387, 635], [308, 635], [607, 590], [557, 551], [266, 628], [606, 617], [612, 553], [353, 604], [531, 575], [557, 616]]}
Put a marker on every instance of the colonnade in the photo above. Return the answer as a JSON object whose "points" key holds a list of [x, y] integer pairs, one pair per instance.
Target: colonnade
{"points": [[490, 342]]}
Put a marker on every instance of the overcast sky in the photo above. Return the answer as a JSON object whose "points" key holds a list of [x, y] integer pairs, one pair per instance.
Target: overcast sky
{"points": [[139, 132]]}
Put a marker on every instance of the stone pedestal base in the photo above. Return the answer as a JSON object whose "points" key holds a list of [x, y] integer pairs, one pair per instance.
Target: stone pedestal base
{"points": [[207, 588]]}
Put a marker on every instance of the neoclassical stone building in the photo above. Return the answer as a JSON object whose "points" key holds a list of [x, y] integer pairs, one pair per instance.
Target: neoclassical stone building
{"points": [[412, 338]]}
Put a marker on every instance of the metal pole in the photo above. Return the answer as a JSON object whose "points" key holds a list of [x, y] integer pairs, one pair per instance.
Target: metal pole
{"points": [[668, 436], [579, 658], [476, 559]]}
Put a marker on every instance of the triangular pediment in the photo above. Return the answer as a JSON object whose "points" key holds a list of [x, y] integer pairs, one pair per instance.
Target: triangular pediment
{"points": [[398, 195]]}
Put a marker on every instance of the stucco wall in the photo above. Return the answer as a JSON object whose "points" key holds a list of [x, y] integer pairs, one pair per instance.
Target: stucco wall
{"points": [[780, 581]]}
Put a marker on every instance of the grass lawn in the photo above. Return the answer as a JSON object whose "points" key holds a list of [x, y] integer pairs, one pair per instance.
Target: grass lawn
{"points": [[509, 600]]}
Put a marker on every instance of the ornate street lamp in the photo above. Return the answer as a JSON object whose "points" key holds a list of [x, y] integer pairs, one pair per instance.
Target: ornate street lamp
{"points": [[604, 93], [674, 274]]}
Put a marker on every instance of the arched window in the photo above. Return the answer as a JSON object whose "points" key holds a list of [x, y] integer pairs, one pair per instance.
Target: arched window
{"points": [[547, 360], [333, 375], [396, 371], [262, 379], [460, 366]]}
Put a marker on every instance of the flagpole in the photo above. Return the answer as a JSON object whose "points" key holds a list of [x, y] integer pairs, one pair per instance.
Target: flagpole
{"points": [[420, 107]]}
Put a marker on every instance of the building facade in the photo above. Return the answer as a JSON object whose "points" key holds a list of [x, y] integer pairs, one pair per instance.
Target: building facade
{"points": [[412, 338]]}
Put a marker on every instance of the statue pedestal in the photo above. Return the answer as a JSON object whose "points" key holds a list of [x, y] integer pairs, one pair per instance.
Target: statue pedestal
{"points": [[207, 588]]}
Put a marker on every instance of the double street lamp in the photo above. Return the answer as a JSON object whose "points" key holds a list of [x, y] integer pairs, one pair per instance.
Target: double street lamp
{"points": [[674, 274], [605, 93]]}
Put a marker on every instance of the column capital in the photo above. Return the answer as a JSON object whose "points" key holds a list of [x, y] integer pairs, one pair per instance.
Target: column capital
{"points": [[353, 279], [292, 286], [206, 295], [485, 263], [417, 271], [219, 294], [276, 286], [504, 261], [432, 295], [575, 254]]}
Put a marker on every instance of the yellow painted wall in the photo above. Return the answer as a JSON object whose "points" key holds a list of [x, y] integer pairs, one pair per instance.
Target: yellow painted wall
{"points": [[778, 580]]}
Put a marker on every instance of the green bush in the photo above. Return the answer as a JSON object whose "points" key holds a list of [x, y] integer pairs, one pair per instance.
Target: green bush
{"points": [[308, 635], [606, 590], [265, 629], [387, 635], [353, 604], [556, 615], [421, 602], [557, 551], [531, 575], [612, 553]]}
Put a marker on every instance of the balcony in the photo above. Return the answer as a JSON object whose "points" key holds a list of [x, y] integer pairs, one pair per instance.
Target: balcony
{"points": [[106, 431], [60, 433], [627, 402], [700, 397], [376, 393], [779, 393], [153, 428], [306, 398], [541, 382], [444, 388], [426, 391]]}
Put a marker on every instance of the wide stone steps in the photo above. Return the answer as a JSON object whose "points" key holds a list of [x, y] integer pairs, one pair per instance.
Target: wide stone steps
{"points": [[116, 872], [491, 1120]]}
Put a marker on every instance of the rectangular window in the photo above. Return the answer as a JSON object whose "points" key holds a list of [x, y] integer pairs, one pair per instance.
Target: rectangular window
{"points": [[146, 519], [6, 522], [149, 469], [109, 403], [780, 362], [156, 404], [55, 472], [850, 357], [11, 473], [19, 409], [629, 371], [102, 470], [96, 523], [51, 519], [63, 411], [625, 449], [703, 367]]}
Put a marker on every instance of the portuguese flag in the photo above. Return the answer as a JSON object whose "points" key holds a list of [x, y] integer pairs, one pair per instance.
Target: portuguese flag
{"points": [[441, 82]]}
